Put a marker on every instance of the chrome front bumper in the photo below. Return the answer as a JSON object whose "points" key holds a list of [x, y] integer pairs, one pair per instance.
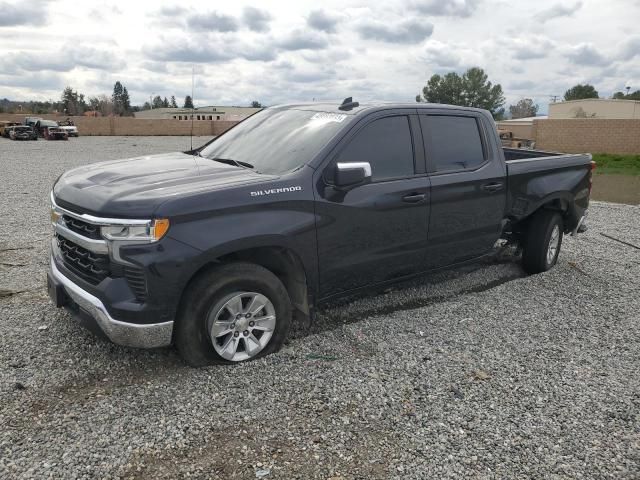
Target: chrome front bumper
{"points": [[122, 333]]}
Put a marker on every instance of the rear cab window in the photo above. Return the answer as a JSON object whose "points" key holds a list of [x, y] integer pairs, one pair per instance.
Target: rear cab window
{"points": [[452, 142]]}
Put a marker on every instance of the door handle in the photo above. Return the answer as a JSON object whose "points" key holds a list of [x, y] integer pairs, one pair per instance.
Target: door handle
{"points": [[414, 198], [492, 187]]}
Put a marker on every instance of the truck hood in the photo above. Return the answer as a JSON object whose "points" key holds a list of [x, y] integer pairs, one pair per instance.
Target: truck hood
{"points": [[135, 187]]}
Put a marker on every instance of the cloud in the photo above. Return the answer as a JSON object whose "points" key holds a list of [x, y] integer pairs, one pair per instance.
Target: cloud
{"points": [[212, 22], [586, 54], [261, 52], [95, 58], [558, 10], [302, 40], [405, 31], [323, 21], [256, 19], [76, 56], [522, 85], [206, 49], [530, 48], [630, 48], [446, 57], [310, 75], [445, 8], [22, 13], [36, 81], [172, 11], [188, 51]]}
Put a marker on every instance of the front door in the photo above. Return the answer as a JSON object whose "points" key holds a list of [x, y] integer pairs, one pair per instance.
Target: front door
{"points": [[377, 231]]}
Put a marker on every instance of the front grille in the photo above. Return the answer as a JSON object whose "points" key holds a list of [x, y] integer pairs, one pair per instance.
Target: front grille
{"points": [[137, 282], [89, 266], [81, 227]]}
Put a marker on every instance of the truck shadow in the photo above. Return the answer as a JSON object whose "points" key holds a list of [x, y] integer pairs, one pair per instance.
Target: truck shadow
{"points": [[420, 292]]}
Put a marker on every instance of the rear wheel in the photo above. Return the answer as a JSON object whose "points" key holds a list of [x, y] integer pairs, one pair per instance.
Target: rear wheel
{"points": [[542, 242], [233, 313]]}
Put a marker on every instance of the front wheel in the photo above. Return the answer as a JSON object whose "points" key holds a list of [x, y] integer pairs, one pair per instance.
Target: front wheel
{"points": [[232, 313], [542, 241]]}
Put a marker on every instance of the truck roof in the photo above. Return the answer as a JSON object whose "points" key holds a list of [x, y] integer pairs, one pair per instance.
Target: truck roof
{"points": [[360, 108]]}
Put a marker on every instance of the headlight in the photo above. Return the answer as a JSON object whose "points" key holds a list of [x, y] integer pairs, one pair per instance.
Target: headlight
{"points": [[150, 232]]}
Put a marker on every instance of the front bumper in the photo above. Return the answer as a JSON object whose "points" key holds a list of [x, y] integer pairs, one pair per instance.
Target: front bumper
{"points": [[63, 291]]}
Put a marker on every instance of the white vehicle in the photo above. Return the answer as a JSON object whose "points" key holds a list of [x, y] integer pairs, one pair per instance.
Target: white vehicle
{"points": [[71, 130]]}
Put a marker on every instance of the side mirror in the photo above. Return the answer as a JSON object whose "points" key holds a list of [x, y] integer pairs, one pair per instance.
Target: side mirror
{"points": [[352, 174]]}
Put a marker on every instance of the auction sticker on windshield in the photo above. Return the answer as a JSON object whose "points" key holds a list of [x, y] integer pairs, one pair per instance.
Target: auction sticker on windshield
{"points": [[329, 117]]}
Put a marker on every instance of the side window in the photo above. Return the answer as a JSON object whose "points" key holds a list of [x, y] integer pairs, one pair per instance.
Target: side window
{"points": [[384, 143], [453, 143]]}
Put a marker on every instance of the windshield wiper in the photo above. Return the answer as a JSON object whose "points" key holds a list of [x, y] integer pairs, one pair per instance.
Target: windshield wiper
{"points": [[237, 163]]}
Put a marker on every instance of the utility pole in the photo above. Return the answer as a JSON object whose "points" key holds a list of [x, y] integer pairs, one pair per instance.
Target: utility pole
{"points": [[554, 98]]}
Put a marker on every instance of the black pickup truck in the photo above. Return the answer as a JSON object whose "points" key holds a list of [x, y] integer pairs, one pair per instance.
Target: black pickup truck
{"points": [[216, 250]]}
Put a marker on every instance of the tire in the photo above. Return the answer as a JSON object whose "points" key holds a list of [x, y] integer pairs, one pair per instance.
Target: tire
{"points": [[542, 241], [206, 310]]}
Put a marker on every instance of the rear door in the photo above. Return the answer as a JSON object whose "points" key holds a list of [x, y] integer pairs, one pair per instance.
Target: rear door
{"points": [[468, 187], [378, 231]]}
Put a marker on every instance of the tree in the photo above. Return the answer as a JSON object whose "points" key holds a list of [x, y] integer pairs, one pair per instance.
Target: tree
{"points": [[126, 101], [157, 102], [94, 103], [102, 104], [188, 102], [116, 98], [256, 104], [524, 108], [579, 92], [173, 102], [73, 102], [146, 106], [120, 99], [472, 89], [165, 103], [629, 96]]}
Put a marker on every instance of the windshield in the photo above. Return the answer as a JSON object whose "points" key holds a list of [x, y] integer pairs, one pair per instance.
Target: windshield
{"points": [[276, 141]]}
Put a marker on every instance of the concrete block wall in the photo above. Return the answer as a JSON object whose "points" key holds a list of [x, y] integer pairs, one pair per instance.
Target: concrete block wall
{"points": [[88, 126], [593, 135]]}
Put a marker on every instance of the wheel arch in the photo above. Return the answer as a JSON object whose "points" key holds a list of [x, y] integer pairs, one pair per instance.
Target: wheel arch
{"points": [[281, 260], [562, 202]]}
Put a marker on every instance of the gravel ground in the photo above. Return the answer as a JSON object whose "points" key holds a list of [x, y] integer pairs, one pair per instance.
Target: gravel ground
{"points": [[480, 372]]}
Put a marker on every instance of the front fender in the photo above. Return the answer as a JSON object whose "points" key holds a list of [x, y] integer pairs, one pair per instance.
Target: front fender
{"points": [[216, 236]]}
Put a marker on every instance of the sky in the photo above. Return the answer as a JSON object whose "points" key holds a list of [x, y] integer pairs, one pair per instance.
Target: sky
{"points": [[281, 52]]}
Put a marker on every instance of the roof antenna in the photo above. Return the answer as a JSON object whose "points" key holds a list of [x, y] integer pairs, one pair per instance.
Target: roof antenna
{"points": [[192, 109], [348, 104]]}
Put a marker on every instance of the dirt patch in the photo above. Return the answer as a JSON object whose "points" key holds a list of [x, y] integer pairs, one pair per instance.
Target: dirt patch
{"points": [[616, 188], [263, 451]]}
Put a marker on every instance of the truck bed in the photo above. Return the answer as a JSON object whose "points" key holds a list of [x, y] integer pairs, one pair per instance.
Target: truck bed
{"points": [[511, 154], [522, 161], [535, 177]]}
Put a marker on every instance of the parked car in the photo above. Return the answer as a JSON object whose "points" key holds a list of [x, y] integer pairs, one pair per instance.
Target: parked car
{"points": [[4, 126], [32, 121], [41, 125], [54, 133], [69, 127], [218, 249], [22, 132]]}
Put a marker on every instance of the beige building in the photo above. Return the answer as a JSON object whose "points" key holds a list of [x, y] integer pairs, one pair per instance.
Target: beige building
{"points": [[201, 113], [595, 108]]}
